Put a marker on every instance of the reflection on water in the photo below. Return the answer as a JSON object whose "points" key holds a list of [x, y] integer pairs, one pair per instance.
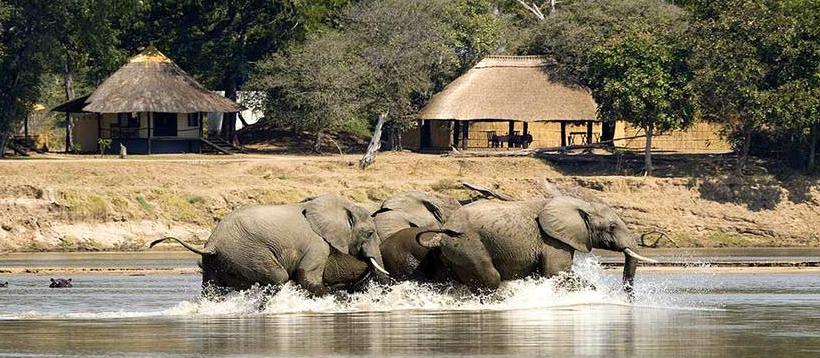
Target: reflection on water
{"points": [[674, 314]]}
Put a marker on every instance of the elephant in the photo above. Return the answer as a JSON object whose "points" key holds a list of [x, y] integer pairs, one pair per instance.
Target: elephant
{"points": [[403, 257], [411, 209], [424, 254], [536, 236], [321, 243], [60, 283]]}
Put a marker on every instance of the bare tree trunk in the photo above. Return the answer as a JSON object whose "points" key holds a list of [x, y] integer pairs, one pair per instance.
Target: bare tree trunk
{"points": [[375, 143], [68, 82], [317, 145], [648, 151], [744, 152], [812, 162], [229, 119]]}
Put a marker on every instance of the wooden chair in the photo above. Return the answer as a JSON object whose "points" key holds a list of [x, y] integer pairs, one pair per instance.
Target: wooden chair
{"points": [[492, 139]]}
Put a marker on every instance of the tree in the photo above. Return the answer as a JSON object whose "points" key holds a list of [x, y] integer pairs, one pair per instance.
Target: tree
{"points": [[409, 47], [219, 41], [756, 65], [795, 102], [627, 53], [26, 37], [642, 79], [88, 45], [580, 26], [313, 86]]}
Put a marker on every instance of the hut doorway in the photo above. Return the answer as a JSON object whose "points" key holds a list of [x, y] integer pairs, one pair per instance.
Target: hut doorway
{"points": [[165, 124]]}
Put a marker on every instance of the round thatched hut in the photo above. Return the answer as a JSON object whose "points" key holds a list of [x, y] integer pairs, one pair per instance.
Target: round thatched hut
{"points": [[149, 105]]}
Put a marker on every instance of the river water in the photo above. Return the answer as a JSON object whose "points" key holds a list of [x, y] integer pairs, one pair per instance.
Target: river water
{"points": [[682, 312]]}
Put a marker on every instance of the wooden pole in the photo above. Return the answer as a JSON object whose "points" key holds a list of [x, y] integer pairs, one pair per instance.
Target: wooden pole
{"points": [[563, 134], [510, 131], [99, 129], [150, 119], [456, 134], [25, 130], [465, 135], [199, 132], [451, 141]]}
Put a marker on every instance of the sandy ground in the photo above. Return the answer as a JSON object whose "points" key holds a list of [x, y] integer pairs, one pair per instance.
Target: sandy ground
{"points": [[85, 203]]}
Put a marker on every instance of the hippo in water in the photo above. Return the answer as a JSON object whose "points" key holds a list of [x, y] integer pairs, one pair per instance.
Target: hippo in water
{"points": [[4, 284], [60, 283]]}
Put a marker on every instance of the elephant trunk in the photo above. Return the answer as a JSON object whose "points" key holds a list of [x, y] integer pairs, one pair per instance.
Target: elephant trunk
{"points": [[630, 267], [631, 259]]}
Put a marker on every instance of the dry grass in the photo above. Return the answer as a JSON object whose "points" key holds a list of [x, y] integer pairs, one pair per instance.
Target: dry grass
{"points": [[198, 190]]}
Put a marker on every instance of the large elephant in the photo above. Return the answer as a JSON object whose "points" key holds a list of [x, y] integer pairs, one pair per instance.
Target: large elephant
{"points": [[403, 257], [537, 236], [319, 243]]}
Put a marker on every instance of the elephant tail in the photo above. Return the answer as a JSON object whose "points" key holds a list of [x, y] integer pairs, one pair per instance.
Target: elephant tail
{"points": [[184, 244]]}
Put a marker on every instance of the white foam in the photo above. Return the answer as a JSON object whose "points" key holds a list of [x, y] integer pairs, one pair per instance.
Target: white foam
{"points": [[596, 288]]}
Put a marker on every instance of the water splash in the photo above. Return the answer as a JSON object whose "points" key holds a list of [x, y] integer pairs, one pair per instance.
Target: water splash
{"points": [[588, 285]]}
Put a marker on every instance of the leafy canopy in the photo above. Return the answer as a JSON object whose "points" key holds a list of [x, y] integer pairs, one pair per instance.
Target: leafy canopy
{"points": [[644, 80]]}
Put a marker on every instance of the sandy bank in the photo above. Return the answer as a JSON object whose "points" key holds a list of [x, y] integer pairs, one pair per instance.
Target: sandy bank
{"points": [[91, 204]]}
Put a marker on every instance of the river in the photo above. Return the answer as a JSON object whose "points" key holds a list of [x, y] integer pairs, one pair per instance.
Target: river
{"points": [[681, 312]]}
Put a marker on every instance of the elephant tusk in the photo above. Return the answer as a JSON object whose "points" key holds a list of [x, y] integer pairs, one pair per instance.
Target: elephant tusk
{"points": [[635, 255], [378, 267]]}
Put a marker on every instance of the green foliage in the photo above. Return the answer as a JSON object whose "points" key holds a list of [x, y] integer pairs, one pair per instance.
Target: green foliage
{"points": [[629, 55], [758, 64], [385, 57], [643, 80], [313, 86], [26, 36], [570, 35]]}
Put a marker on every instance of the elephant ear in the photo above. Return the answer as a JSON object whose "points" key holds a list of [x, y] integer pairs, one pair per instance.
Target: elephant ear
{"points": [[330, 218], [565, 219]]}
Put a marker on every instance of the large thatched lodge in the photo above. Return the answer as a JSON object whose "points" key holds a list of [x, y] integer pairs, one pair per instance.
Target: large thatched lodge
{"points": [[510, 101], [150, 105]]}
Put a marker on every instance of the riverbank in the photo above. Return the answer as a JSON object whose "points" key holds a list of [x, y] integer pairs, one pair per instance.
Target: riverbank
{"points": [[84, 203], [727, 260]]}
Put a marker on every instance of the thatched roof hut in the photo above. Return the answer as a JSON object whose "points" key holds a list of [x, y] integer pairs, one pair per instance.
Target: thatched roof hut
{"points": [[149, 105], [510, 88], [151, 82]]}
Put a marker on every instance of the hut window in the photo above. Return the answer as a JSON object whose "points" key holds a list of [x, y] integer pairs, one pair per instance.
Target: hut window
{"points": [[127, 120], [193, 119]]}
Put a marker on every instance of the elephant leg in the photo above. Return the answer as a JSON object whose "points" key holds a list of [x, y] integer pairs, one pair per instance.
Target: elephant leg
{"points": [[555, 257], [311, 269]]}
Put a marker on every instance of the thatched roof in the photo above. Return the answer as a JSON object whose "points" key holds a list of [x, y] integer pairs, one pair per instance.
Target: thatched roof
{"points": [[73, 106], [151, 82], [510, 88]]}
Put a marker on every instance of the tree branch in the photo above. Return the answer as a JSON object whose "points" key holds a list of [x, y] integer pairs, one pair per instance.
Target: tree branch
{"points": [[533, 9]]}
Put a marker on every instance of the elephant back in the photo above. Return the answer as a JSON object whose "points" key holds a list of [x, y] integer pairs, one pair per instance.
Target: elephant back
{"points": [[410, 209]]}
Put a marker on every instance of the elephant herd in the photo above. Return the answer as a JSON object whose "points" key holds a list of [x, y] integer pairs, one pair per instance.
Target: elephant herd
{"points": [[328, 242]]}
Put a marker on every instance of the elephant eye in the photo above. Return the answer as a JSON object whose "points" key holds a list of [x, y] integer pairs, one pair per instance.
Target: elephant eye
{"points": [[612, 227]]}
